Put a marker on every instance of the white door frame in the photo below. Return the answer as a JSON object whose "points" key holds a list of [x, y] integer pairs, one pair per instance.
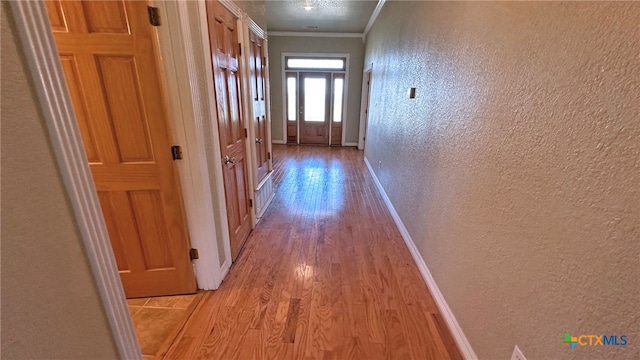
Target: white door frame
{"points": [[184, 47], [194, 131], [364, 106], [345, 93]]}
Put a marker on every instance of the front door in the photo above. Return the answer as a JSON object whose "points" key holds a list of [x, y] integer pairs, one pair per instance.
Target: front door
{"points": [[223, 39], [107, 50], [315, 91]]}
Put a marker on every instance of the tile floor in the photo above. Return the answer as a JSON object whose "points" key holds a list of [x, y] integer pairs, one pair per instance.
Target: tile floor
{"points": [[158, 320]]}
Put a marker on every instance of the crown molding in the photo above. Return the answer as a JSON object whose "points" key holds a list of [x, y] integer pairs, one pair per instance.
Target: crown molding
{"points": [[315, 34], [372, 19]]}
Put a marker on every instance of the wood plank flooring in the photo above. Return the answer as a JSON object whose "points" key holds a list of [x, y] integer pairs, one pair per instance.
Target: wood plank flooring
{"points": [[324, 275]]}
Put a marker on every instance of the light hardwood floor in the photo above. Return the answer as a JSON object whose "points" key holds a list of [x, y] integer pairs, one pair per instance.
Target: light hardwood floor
{"points": [[324, 275]]}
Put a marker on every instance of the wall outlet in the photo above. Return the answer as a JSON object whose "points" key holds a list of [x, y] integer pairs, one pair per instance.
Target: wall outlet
{"points": [[379, 164], [517, 354]]}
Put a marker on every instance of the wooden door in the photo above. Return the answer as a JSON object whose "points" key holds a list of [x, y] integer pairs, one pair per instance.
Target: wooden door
{"points": [[223, 37], [257, 59], [107, 50], [315, 89]]}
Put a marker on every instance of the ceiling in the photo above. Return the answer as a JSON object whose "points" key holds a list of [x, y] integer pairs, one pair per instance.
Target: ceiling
{"points": [[336, 16]]}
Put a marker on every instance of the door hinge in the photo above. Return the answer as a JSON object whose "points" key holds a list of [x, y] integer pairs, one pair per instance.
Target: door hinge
{"points": [[269, 155], [245, 133], [193, 254], [264, 61], [250, 203], [154, 15], [239, 49], [176, 152]]}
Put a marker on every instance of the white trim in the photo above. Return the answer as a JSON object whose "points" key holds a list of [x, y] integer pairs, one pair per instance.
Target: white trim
{"points": [[253, 26], [350, 144], [267, 102], [232, 6], [225, 268], [345, 102], [282, 142], [266, 205], [364, 106], [32, 23], [372, 19], [246, 99], [264, 180], [188, 119], [285, 113], [315, 34], [461, 340], [315, 55]]}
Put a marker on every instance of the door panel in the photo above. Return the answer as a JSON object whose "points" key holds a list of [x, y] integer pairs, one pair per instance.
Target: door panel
{"points": [[315, 89], [54, 8], [292, 107], [70, 68], [108, 56], [337, 106], [257, 56], [116, 22], [223, 38], [119, 75]]}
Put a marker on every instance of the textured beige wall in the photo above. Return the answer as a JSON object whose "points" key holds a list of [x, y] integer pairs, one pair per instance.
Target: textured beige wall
{"points": [[516, 169], [50, 305], [353, 46], [256, 10]]}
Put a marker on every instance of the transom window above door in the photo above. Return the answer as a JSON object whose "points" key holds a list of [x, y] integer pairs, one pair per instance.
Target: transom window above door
{"points": [[299, 63]]}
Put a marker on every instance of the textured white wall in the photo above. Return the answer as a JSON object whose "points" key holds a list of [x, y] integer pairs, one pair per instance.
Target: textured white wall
{"points": [[516, 169], [352, 46], [51, 308]]}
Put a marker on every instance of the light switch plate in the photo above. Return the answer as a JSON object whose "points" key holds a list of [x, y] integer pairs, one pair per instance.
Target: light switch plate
{"points": [[517, 354]]}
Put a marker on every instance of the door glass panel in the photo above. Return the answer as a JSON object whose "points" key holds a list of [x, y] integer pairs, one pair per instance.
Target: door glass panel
{"points": [[338, 85], [291, 99], [333, 64], [314, 99]]}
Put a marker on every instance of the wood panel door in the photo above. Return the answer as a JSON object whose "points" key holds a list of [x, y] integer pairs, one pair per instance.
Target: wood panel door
{"points": [[257, 59], [315, 89], [223, 38], [107, 49]]}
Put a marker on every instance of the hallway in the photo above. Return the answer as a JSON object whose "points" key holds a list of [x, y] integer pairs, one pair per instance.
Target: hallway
{"points": [[324, 275]]}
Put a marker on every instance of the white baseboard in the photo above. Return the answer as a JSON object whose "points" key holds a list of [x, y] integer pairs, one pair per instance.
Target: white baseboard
{"points": [[350, 144], [266, 206], [282, 142], [264, 194], [445, 311], [224, 270]]}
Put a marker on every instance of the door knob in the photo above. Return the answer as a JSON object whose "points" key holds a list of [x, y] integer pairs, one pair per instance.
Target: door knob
{"points": [[229, 160], [259, 141]]}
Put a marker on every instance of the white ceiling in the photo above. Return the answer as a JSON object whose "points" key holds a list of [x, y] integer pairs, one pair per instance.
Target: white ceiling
{"points": [[341, 16]]}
